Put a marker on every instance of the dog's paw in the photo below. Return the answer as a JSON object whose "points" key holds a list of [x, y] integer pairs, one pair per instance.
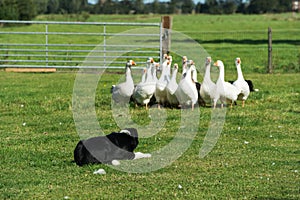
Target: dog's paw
{"points": [[99, 171], [139, 155], [115, 162], [147, 155]]}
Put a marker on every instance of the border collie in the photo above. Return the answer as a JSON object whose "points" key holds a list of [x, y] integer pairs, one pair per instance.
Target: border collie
{"points": [[109, 149]]}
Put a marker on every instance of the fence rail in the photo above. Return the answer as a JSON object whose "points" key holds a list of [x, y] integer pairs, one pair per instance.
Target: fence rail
{"points": [[53, 44]]}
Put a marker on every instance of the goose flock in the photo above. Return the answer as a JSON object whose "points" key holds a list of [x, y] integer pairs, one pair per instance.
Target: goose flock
{"points": [[166, 91]]}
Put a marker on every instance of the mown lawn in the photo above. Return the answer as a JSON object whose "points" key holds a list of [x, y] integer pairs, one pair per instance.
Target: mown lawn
{"points": [[256, 156]]}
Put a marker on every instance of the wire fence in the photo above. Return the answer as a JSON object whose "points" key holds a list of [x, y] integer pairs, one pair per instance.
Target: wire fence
{"points": [[35, 44], [252, 47], [69, 44]]}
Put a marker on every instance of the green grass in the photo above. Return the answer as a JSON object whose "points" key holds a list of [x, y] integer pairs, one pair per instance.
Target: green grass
{"points": [[245, 36], [256, 156], [36, 157]]}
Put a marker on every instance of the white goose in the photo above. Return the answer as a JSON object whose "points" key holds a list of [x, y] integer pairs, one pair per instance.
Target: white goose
{"points": [[122, 92], [143, 79], [170, 58], [184, 66], [224, 90], [240, 83], [145, 90], [194, 73], [161, 84], [172, 87], [186, 92], [207, 85]]}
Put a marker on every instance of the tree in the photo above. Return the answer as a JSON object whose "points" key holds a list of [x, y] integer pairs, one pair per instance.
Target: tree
{"points": [[284, 6], [26, 9], [187, 6], [41, 6], [139, 6], [172, 6], [262, 6], [74, 6], [212, 6], [155, 6], [229, 7], [125, 6], [9, 10], [204, 8], [242, 8], [108, 7], [198, 8], [70, 6], [52, 6], [163, 8]]}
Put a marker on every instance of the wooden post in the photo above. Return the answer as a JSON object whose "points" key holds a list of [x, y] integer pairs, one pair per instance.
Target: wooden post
{"points": [[166, 33], [270, 66]]}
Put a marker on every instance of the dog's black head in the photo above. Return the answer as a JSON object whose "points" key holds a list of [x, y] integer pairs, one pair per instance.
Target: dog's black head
{"points": [[130, 131], [134, 140], [126, 139]]}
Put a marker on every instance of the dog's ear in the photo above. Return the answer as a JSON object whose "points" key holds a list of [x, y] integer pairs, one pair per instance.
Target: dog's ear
{"points": [[126, 132], [133, 132], [135, 139]]}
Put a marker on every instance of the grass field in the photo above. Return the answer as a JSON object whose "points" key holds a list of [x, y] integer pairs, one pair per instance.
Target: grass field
{"points": [[258, 160], [256, 157]]}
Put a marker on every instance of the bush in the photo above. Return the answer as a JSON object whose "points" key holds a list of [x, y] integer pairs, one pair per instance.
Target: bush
{"points": [[17, 9]]}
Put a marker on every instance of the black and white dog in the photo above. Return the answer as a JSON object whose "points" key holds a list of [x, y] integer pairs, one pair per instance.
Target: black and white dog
{"points": [[109, 149]]}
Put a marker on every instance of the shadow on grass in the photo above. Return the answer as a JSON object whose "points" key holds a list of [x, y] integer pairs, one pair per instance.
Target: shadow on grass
{"points": [[248, 41], [273, 198]]}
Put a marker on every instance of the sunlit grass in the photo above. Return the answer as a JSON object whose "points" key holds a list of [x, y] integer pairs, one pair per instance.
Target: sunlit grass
{"points": [[257, 155]]}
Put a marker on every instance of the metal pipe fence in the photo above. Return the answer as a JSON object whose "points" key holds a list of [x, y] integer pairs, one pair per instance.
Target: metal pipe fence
{"points": [[40, 44], [35, 44], [252, 47]]}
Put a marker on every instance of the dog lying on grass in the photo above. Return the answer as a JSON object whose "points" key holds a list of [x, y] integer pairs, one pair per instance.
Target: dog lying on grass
{"points": [[109, 149]]}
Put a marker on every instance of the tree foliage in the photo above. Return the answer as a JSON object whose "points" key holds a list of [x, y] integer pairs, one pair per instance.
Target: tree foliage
{"points": [[18, 9], [9, 9], [53, 7], [27, 10], [270, 6]]}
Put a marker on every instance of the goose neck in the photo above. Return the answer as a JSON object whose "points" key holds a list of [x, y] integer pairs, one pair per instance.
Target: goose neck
{"points": [[207, 72], [174, 74], [128, 73], [239, 71], [221, 73]]}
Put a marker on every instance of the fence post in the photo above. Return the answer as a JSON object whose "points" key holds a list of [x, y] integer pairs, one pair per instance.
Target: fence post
{"points": [[104, 44], [166, 34], [47, 53], [270, 66]]}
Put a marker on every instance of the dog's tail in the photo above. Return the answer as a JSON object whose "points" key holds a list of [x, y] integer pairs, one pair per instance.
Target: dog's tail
{"points": [[78, 154], [112, 88]]}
